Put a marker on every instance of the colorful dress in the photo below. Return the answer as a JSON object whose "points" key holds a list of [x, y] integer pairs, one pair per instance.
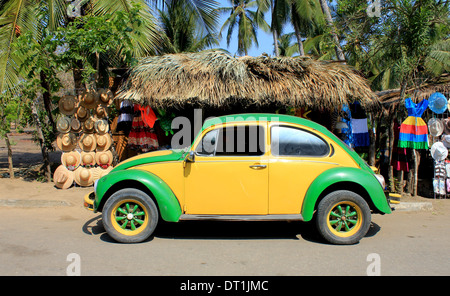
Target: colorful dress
{"points": [[414, 131], [141, 137]]}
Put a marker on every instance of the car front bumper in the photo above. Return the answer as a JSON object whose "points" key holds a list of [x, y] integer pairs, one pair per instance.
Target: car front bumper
{"points": [[89, 201]]}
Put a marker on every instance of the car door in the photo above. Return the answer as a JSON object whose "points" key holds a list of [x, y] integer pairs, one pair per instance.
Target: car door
{"points": [[298, 155], [229, 175]]}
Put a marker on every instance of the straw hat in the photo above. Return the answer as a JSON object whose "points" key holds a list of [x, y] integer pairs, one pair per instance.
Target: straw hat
{"points": [[89, 99], [446, 141], [71, 160], [87, 159], [98, 172], [66, 142], [75, 125], [101, 126], [89, 125], [106, 96], [437, 103], [104, 158], [103, 142], [446, 123], [439, 151], [435, 127], [83, 176], [82, 113], [62, 177], [101, 111], [67, 105], [87, 142], [63, 124]]}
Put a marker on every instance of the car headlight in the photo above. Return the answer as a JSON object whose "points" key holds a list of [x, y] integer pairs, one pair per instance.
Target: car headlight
{"points": [[380, 179]]}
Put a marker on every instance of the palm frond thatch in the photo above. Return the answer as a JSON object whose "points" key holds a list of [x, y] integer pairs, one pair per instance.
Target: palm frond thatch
{"points": [[214, 77]]}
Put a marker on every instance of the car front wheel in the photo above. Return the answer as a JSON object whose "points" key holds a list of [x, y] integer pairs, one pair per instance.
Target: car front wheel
{"points": [[343, 217], [130, 216]]}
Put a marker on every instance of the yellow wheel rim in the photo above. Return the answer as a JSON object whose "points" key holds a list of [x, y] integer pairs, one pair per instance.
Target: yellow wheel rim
{"points": [[344, 219], [129, 217]]}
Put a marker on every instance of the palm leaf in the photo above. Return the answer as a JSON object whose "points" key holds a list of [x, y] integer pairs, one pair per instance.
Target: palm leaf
{"points": [[16, 17], [148, 41]]}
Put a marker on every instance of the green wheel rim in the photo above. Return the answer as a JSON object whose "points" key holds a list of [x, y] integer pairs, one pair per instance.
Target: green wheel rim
{"points": [[129, 217], [345, 219]]}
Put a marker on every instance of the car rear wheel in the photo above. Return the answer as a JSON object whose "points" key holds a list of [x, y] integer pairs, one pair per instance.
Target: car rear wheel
{"points": [[343, 217], [130, 216]]}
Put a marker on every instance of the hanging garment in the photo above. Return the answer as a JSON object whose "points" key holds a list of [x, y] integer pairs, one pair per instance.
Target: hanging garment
{"points": [[414, 131], [125, 117], [141, 137], [147, 115], [399, 159], [360, 129], [439, 186], [346, 132], [360, 132]]}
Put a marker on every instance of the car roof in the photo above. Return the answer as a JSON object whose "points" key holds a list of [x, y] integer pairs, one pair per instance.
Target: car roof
{"points": [[264, 117]]}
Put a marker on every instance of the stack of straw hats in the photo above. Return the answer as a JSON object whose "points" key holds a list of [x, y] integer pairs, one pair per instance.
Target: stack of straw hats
{"points": [[84, 138]]}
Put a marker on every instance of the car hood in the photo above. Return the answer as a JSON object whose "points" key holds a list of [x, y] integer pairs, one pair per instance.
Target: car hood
{"points": [[151, 157]]}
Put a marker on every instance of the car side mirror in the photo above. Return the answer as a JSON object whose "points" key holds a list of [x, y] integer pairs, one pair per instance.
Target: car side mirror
{"points": [[190, 157]]}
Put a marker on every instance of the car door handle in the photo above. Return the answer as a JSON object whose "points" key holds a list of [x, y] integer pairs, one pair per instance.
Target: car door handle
{"points": [[258, 166]]}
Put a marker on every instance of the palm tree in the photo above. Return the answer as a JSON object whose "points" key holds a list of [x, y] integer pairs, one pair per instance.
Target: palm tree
{"points": [[304, 15], [182, 30], [247, 20], [285, 47], [326, 11]]}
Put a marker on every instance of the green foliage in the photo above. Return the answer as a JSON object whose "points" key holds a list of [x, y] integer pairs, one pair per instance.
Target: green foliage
{"points": [[89, 39], [182, 30], [246, 18], [406, 45]]}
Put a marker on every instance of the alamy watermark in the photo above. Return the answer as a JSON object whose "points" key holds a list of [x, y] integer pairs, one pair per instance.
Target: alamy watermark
{"points": [[374, 9], [74, 268], [374, 268]]}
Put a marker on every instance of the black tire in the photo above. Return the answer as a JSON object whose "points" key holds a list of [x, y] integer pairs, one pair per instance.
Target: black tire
{"points": [[130, 216], [343, 217]]}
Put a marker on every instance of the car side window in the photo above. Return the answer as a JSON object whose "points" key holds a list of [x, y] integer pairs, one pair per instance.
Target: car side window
{"points": [[245, 140], [290, 141]]}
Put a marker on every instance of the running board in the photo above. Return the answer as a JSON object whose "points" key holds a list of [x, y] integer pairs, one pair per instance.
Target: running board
{"points": [[287, 217]]}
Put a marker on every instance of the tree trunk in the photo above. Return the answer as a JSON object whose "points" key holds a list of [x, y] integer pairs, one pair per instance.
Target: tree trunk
{"points": [[47, 99], [416, 170], [48, 172], [391, 147], [10, 161], [326, 12], [299, 40], [275, 42]]}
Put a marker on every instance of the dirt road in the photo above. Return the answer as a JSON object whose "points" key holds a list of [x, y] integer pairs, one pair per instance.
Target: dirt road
{"points": [[37, 238]]}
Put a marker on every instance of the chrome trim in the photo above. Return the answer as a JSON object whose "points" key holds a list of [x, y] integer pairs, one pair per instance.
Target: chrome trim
{"points": [[279, 217]]}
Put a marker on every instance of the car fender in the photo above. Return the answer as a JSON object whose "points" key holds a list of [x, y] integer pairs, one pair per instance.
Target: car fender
{"points": [[166, 200], [344, 174]]}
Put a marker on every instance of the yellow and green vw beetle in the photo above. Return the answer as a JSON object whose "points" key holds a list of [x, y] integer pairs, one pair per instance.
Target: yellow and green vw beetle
{"points": [[245, 167]]}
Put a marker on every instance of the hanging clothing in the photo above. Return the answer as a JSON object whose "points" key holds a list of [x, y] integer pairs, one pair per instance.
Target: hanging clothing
{"points": [[141, 136], [360, 132], [126, 113], [399, 159], [346, 133], [414, 130], [147, 115], [360, 129]]}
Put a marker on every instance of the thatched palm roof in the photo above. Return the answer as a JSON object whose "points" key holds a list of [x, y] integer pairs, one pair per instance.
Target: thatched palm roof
{"points": [[214, 78]]}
